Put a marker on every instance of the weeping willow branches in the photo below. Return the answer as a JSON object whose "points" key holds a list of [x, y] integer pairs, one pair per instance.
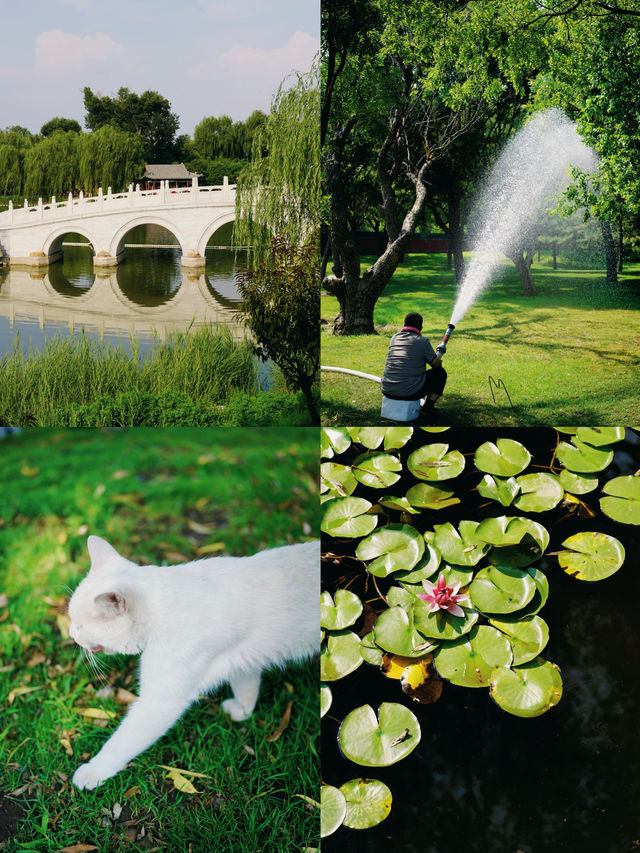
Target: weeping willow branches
{"points": [[279, 191]]}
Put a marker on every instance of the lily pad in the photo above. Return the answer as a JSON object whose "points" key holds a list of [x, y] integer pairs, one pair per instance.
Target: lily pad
{"points": [[340, 656], [370, 437], [435, 462], [402, 504], [336, 480], [396, 437], [506, 458], [528, 690], [583, 458], [378, 741], [347, 517], [538, 492], [333, 808], [527, 636], [470, 660], [431, 497], [377, 470], [441, 625], [501, 590], [501, 489], [396, 547], [369, 651], [461, 548], [326, 698], [516, 541], [395, 632], [623, 501], [593, 556], [597, 436], [334, 440], [426, 566], [578, 484], [342, 613], [368, 803], [435, 429]]}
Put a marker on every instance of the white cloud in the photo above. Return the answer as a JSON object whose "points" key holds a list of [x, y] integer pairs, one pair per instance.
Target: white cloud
{"points": [[58, 53], [297, 54]]}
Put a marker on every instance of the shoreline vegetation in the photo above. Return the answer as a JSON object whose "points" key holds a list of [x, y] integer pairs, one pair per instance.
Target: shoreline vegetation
{"points": [[197, 378]]}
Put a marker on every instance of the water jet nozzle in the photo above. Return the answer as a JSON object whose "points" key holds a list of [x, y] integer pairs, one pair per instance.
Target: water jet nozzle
{"points": [[442, 346]]}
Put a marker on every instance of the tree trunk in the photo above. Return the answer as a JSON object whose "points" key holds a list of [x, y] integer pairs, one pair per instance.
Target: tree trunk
{"points": [[555, 254], [620, 246], [311, 404], [456, 232], [523, 260], [609, 253]]}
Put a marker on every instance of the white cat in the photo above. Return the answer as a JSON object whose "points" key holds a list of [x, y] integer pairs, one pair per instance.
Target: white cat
{"points": [[197, 625]]}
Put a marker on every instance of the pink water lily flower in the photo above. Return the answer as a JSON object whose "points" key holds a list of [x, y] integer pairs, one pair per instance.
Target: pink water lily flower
{"points": [[442, 597]]}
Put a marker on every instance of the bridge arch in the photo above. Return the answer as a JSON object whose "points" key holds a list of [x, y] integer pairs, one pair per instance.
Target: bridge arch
{"points": [[212, 227], [116, 247], [53, 243]]}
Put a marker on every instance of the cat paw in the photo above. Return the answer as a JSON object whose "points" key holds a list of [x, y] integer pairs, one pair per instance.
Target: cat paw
{"points": [[235, 710], [86, 777]]}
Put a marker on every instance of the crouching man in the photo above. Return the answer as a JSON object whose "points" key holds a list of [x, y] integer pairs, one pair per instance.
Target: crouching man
{"points": [[405, 376]]}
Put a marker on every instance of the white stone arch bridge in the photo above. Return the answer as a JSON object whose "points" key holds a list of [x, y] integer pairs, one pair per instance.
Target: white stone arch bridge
{"points": [[32, 236]]}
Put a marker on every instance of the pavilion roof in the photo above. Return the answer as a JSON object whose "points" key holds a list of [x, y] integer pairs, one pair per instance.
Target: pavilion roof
{"points": [[168, 172]]}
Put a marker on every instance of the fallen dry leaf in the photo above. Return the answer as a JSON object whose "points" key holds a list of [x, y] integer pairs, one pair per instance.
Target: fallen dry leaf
{"points": [[176, 557], [26, 471], [66, 743], [199, 528], [35, 659], [79, 848], [64, 623], [308, 800], [249, 749], [184, 772], [125, 696], [284, 722], [4, 601], [205, 458], [120, 474], [181, 783], [96, 713], [131, 792], [213, 548], [20, 691]]}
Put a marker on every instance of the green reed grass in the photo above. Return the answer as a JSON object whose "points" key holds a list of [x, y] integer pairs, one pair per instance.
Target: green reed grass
{"points": [[206, 364]]}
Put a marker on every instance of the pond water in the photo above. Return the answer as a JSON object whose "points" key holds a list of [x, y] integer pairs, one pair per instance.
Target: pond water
{"points": [[146, 297], [483, 781]]}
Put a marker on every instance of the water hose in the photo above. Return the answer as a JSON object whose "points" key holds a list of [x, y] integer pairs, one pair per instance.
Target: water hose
{"points": [[442, 346], [351, 372]]}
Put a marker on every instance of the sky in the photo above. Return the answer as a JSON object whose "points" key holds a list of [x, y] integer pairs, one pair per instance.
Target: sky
{"points": [[208, 57]]}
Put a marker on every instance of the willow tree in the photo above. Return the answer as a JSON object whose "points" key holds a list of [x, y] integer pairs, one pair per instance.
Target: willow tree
{"points": [[52, 166], [110, 157], [278, 192]]}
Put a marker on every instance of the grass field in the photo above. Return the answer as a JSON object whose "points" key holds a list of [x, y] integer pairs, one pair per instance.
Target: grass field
{"points": [[570, 353], [160, 496]]}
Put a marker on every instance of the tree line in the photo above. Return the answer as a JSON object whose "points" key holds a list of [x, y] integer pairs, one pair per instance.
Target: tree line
{"points": [[124, 132], [419, 97]]}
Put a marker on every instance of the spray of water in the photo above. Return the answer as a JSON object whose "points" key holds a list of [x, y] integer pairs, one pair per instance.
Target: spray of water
{"points": [[531, 167]]}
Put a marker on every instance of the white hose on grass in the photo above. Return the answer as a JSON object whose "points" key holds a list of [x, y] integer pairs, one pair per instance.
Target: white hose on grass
{"points": [[351, 373]]}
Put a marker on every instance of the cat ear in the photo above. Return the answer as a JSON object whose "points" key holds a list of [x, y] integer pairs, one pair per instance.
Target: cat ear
{"points": [[111, 603], [100, 552]]}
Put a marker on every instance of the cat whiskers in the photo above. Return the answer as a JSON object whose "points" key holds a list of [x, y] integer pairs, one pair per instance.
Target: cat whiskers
{"points": [[97, 665]]}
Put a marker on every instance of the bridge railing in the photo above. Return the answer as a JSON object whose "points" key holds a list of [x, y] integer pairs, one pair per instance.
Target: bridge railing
{"points": [[134, 197]]}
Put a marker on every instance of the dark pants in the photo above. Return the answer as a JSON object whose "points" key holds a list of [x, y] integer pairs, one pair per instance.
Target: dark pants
{"points": [[434, 381]]}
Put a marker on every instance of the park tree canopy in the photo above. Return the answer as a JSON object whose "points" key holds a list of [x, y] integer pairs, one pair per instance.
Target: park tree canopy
{"points": [[416, 108], [148, 115]]}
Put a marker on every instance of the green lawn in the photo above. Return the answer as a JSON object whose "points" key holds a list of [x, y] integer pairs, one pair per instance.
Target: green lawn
{"points": [[570, 353], [159, 495]]}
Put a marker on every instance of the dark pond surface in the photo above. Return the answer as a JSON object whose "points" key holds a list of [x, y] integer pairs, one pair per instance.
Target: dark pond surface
{"points": [[148, 296], [483, 781]]}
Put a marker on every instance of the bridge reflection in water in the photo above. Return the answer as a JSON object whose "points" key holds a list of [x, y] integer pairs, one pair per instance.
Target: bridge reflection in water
{"points": [[148, 298]]}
